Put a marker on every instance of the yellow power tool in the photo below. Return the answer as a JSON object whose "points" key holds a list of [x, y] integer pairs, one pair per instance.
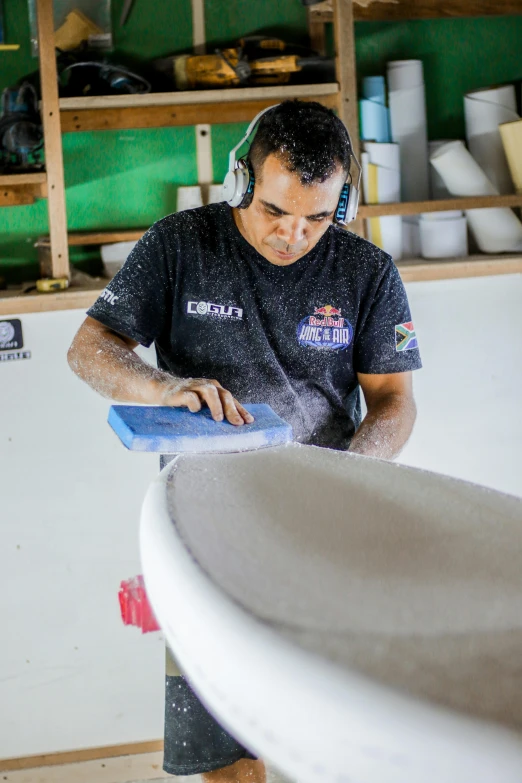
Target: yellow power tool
{"points": [[255, 61]]}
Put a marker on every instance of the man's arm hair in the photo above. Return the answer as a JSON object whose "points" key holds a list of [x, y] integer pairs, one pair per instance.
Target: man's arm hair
{"points": [[390, 418], [107, 362]]}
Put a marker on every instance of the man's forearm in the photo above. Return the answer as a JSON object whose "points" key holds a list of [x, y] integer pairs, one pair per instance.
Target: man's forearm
{"points": [[386, 427], [113, 369]]}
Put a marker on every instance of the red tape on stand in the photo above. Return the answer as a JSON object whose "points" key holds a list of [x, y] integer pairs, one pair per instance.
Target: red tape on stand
{"points": [[135, 607]]}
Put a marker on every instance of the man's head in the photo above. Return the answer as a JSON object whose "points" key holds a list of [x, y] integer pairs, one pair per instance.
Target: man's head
{"points": [[300, 157]]}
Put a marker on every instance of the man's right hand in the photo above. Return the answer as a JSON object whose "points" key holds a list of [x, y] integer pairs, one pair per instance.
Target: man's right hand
{"points": [[108, 363], [192, 393]]}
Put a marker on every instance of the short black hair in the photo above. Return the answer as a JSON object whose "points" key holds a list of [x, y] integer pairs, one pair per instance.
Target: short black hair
{"points": [[308, 136]]}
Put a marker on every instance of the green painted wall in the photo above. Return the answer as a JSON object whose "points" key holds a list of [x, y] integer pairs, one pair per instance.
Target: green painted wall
{"points": [[458, 55], [129, 178]]}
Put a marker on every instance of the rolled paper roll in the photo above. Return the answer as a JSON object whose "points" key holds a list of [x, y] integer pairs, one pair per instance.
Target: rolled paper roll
{"points": [[403, 74], [511, 134], [381, 173], [215, 194], [374, 121], [438, 189], [411, 244], [374, 115], [374, 89], [496, 229], [381, 185], [189, 197], [443, 235], [386, 233], [408, 126], [484, 111]]}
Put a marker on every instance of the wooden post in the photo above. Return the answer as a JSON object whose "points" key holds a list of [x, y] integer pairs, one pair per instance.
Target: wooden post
{"points": [[316, 31], [53, 140], [203, 131], [344, 37], [345, 67]]}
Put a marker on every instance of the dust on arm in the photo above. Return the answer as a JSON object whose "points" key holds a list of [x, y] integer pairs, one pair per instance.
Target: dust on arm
{"points": [[390, 418], [107, 362]]}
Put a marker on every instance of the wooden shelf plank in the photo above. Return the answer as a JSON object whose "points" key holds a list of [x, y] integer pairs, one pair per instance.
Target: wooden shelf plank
{"points": [[82, 297], [27, 178], [97, 237], [418, 270], [171, 116], [75, 298], [199, 97], [442, 205], [401, 10], [79, 756]]}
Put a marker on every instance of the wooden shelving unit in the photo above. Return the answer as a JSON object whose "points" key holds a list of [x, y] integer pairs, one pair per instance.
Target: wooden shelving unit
{"points": [[394, 10], [441, 205], [413, 270], [183, 108], [329, 12], [70, 115]]}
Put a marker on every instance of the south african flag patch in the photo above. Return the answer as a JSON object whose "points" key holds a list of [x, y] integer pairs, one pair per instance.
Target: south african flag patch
{"points": [[405, 337]]}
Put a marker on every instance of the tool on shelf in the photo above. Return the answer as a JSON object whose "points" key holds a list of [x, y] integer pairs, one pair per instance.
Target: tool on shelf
{"points": [[21, 134], [256, 60], [48, 285]]}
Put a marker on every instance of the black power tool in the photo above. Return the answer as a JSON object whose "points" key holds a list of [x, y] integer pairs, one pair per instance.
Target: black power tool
{"points": [[21, 134]]}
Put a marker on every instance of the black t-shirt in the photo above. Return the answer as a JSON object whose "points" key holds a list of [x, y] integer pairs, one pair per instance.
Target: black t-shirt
{"points": [[291, 336]]}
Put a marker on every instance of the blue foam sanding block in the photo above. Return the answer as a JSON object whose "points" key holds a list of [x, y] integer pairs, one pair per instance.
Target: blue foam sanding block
{"points": [[176, 430]]}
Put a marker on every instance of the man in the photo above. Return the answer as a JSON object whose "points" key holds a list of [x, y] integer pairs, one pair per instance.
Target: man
{"points": [[270, 302]]}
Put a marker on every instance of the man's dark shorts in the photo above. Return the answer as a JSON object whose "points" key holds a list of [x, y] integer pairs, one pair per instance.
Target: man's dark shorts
{"points": [[194, 740]]}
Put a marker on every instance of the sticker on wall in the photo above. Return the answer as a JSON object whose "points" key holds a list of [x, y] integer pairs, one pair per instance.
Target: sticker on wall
{"points": [[12, 341]]}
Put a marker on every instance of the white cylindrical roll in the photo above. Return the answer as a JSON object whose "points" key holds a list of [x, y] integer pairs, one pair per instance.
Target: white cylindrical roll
{"points": [[387, 155], [496, 229], [411, 244], [445, 237], [381, 185], [381, 173], [484, 111], [438, 189], [403, 74], [189, 197], [460, 172], [215, 194], [408, 126], [386, 233]]}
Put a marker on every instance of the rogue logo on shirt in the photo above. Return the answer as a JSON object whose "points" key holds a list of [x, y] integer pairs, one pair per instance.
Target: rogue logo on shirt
{"points": [[109, 296], [215, 310], [325, 329]]}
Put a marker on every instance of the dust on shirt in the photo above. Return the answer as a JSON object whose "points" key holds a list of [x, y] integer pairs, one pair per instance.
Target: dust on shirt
{"points": [[294, 336]]}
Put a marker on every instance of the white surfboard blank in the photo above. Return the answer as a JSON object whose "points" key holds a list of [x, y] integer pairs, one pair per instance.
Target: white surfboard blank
{"points": [[349, 619]]}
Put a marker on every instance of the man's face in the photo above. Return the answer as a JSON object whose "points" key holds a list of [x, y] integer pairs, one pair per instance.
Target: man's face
{"points": [[287, 219]]}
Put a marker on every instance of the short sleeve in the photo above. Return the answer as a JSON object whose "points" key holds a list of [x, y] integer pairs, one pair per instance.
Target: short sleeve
{"points": [[386, 341], [137, 301]]}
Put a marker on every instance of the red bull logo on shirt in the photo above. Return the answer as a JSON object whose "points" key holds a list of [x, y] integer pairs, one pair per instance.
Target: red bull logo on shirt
{"points": [[325, 329]]}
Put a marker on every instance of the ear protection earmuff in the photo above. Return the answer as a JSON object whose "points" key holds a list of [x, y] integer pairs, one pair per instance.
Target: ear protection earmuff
{"points": [[238, 186]]}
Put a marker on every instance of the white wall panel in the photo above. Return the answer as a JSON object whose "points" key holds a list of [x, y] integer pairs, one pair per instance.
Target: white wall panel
{"points": [[71, 675], [469, 393]]}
